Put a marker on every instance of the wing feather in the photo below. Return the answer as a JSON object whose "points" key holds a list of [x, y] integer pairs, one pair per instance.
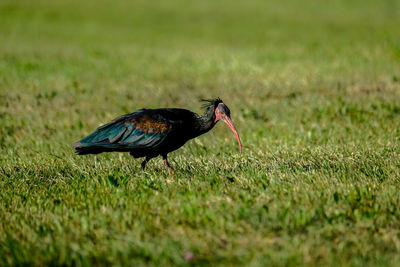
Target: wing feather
{"points": [[137, 130]]}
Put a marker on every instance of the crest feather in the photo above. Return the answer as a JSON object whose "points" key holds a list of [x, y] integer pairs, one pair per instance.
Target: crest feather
{"points": [[211, 102]]}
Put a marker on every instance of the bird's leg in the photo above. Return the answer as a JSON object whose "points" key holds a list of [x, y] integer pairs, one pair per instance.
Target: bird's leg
{"points": [[145, 161], [144, 164], [165, 161]]}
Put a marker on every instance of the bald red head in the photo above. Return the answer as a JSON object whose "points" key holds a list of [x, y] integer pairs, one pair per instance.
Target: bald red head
{"points": [[223, 113]]}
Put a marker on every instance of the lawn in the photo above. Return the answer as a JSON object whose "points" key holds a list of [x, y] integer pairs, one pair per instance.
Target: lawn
{"points": [[314, 91]]}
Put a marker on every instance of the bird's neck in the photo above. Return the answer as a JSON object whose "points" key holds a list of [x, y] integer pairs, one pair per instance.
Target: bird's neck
{"points": [[205, 122]]}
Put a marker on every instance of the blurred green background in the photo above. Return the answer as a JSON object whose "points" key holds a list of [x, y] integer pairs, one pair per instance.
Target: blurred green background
{"points": [[313, 87]]}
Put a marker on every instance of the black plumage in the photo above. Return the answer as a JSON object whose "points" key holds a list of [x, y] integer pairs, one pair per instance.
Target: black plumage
{"points": [[152, 132]]}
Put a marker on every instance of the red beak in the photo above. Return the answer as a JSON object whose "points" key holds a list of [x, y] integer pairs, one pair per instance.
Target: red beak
{"points": [[229, 122]]}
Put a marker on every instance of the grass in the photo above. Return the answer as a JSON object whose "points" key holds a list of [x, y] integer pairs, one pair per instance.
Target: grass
{"points": [[314, 90]]}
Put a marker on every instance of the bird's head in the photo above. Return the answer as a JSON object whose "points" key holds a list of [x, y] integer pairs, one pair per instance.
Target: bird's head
{"points": [[222, 113]]}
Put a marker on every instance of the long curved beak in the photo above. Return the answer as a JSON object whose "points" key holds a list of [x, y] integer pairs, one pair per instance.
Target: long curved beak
{"points": [[229, 122]]}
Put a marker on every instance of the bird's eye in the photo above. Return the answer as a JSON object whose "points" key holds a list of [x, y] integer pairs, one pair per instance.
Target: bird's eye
{"points": [[224, 109], [227, 111]]}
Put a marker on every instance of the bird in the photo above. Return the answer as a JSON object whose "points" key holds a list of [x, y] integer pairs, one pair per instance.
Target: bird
{"points": [[150, 133]]}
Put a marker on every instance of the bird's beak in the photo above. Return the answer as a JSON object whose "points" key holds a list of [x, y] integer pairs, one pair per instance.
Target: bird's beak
{"points": [[229, 122]]}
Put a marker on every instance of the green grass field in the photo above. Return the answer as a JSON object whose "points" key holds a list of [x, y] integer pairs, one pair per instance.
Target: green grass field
{"points": [[314, 90]]}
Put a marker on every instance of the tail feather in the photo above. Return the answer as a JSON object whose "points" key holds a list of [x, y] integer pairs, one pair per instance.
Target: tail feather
{"points": [[81, 149], [87, 148]]}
